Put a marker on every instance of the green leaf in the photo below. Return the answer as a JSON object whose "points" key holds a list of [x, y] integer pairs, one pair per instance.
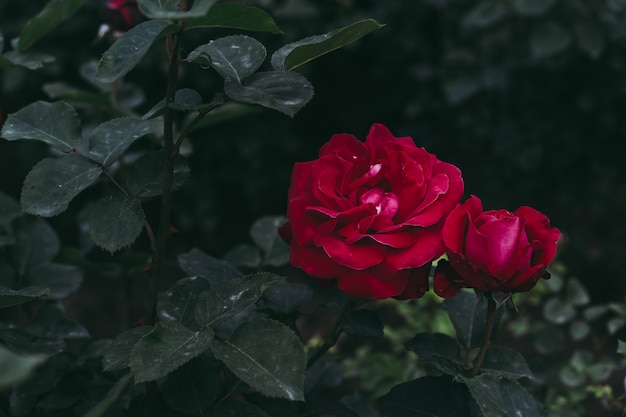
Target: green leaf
{"points": [[236, 16], [61, 280], [244, 256], [236, 56], [299, 53], [575, 293], [505, 362], [179, 302], [127, 51], [284, 91], [498, 396], [197, 263], [287, 297], [17, 368], [115, 222], [274, 367], [193, 387], [185, 99], [548, 39], [31, 61], [24, 343], [532, 7], [36, 242], [486, 13], [56, 124], [439, 350], [579, 330], [54, 182], [77, 96], [110, 398], [145, 176], [230, 297], [117, 356], [55, 12], [9, 297], [621, 348], [168, 346], [548, 339], [168, 9], [430, 396], [468, 314], [111, 139], [264, 232]]}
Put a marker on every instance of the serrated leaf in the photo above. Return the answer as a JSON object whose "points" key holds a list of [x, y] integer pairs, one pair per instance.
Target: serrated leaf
{"points": [[193, 387], [56, 124], [532, 7], [285, 91], [179, 302], [145, 176], [168, 346], [505, 362], [486, 13], [498, 396], [54, 182], [230, 297], [468, 314], [236, 56], [548, 39], [287, 297], [299, 53], [197, 263], [436, 396], [16, 368], [109, 140], [117, 356], [35, 242], [9, 297], [439, 350], [275, 367], [115, 222], [169, 9], [236, 16], [185, 99], [31, 61], [128, 50], [61, 280], [23, 343], [53, 14]]}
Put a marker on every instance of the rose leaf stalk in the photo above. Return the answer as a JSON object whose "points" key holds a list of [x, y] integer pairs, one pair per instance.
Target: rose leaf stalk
{"points": [[491, 318]]}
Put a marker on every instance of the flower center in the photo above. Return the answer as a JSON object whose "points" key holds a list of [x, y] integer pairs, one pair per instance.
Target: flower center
{"points": [[386, 204]]}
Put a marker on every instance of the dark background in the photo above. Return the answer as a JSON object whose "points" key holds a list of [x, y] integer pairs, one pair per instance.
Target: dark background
{"points": [[528, 102]]}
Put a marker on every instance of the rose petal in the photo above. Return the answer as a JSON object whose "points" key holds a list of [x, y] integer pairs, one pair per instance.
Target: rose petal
{"points": [[417, 283], [426, 248], [315, 262], [362, 284], [447, 282], [359, 256], [503, 237]]}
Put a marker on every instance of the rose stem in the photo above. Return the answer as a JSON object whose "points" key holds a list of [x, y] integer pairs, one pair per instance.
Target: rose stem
{"points": [[334, 334], [491, 315]]}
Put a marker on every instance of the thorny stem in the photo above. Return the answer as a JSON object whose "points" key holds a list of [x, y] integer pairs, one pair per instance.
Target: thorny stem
{"points": [[334, 333], [491, 316], [168, 175]]}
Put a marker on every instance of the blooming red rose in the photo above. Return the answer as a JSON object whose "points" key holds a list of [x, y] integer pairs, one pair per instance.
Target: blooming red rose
{"points": [[494, 250], [369, 215], [120, 16]]}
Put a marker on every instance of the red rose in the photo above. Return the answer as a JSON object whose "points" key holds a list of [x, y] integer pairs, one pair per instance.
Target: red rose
{"points": [[369, 215], [120, 16], [494, 250]]}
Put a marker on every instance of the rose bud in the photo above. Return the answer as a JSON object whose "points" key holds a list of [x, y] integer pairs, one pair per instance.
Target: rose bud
{"points": [[496, 250], [368, 215]]}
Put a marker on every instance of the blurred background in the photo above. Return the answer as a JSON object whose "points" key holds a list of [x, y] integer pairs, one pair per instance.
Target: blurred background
{"points": [[526, 97]]}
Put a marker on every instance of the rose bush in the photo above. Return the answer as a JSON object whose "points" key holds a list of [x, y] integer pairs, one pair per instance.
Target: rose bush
{"points": [[494, 250], [368, 215]]}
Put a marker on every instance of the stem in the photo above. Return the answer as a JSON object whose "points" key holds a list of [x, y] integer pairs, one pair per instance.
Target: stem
{"points": [[168, 175], [334, 334], [491, 316]]}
